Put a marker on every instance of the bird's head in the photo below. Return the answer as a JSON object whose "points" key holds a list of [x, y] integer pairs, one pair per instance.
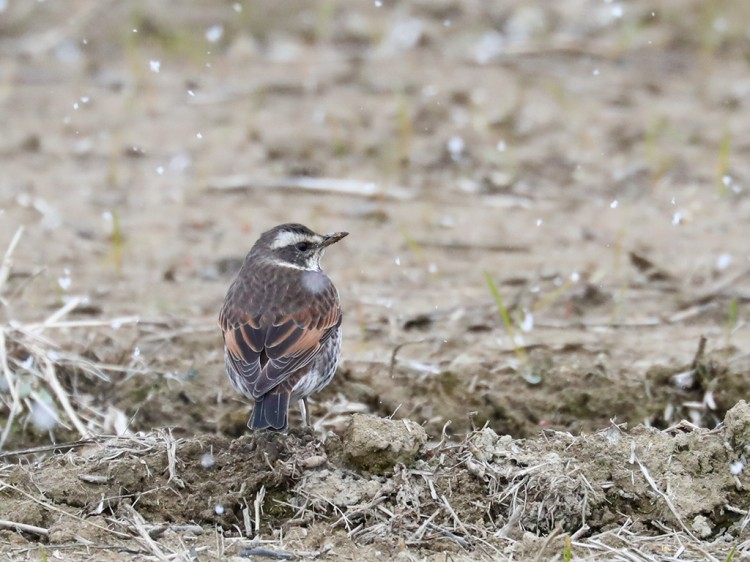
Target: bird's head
{"points": [[294, 245]]}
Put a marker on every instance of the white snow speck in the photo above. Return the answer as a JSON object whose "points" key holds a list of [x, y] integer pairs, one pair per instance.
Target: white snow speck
{"points": [[85, 99], [614, 204], [575, 277], [191, 93], [160, 170], [137, 351], [75, 105], [501, 146], [489, 47], [726, 180], [404, 34], [595, 72], [155, 66], [214, 33], [378, 3], [219, 509], [68, 52], [3, 5], [43, 416], [397, 261], [456, 147], [207, 461], [736, 467], [539, 222], [617, 11], [677, 218], [432, 268], [527, 324], [64, 282], [180, 162], [198, 135], [723, 261], [447, 23], [237, 7]]}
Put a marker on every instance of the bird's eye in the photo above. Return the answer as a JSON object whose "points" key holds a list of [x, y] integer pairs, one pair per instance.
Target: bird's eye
{"points": [[302, 246]]}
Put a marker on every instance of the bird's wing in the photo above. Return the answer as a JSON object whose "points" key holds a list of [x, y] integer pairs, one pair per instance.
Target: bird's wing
{"points": [[265, 354]]}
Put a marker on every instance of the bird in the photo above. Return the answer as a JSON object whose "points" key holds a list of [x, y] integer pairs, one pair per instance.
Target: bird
{"points": [[281, 324]]}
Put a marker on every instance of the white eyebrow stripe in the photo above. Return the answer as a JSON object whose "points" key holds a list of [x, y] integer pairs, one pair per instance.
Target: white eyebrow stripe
{"points": [[287, 238], [292, 265]]}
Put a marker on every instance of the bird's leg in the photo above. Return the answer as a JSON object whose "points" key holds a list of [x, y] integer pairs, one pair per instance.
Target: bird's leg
{"points": [[305, 411]]}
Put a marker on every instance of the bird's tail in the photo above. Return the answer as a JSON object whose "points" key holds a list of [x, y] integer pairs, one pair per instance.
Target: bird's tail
{"points": [[271, 410]]}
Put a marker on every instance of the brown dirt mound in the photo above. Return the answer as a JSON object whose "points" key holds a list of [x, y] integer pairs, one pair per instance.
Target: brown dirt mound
{"points": [[487, 496]]}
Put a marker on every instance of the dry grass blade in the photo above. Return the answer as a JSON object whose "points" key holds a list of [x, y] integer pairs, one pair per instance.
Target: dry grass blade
{"points": [[664, 496], [171, 447], [50, 376], [146, 541], [35, 357], [7, 263], [257, 506], [333, 186], [15, 405], [59, 447], [52, 507], [23, 527]]}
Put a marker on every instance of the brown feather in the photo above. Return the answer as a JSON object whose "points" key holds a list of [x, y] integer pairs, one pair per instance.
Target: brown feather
{"points": [[266, 316]]}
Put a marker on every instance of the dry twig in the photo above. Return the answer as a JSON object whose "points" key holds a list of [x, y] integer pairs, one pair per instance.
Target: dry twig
{"points": [[333, 186]]}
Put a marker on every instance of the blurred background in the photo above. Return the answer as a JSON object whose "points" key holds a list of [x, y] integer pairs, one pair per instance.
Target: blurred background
{"points": [[548, 206]]}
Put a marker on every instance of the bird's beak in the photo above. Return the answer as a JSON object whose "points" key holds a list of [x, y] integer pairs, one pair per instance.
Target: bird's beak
{"points": [[332, 238]]}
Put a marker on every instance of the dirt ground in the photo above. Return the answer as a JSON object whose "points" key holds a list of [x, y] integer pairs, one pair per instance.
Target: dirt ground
{"points": [[545, 287]]}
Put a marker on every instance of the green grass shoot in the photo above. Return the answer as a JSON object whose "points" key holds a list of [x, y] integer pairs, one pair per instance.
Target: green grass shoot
{"points": [[551, 297], [731, 319], [618, 254], [413, 245], [567, 553], [520, 352], [117, 240]]}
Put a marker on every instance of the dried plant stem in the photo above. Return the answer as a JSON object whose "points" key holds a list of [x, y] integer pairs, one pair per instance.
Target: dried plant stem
{"points": [[41, 531], [7, 262], [51, 377], [16, 403]]}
